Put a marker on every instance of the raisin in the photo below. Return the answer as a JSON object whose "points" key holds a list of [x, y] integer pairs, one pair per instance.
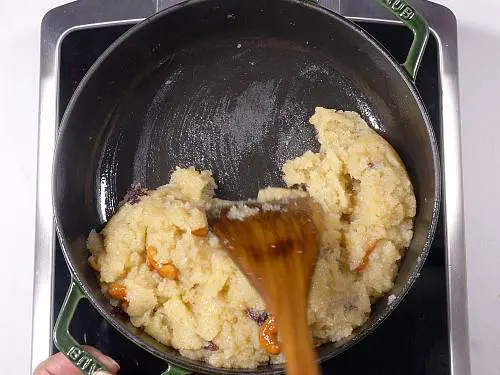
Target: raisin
{"points": [[299, 187], [212, 346], [257, 316], [134, 193], [349, 306], [345, 217]]}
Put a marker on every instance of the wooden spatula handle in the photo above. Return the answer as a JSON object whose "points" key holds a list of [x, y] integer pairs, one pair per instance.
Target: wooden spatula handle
{"points": [[277, 250], [297, 342]]}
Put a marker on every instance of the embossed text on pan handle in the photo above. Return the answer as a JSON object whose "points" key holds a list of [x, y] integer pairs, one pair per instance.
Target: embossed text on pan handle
{"points": [[410, 17], [63, 340]]}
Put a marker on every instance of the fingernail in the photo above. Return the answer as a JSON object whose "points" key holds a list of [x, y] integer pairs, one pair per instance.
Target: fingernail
{"points": [[113, 362], [101, 372]]}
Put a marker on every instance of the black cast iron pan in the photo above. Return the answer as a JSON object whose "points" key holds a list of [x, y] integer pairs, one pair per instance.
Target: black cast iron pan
{"points": [[228, 85]]}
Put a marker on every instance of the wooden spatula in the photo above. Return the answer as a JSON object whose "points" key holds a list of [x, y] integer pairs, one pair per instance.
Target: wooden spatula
{"points": [[276, 248]]}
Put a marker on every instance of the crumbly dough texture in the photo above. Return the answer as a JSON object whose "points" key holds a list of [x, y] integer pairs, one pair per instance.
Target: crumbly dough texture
{"points": [[368, 207]]}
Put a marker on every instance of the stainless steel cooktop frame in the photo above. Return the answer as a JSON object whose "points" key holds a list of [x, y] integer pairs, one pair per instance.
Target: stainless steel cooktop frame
{"points": [[83, 14]]}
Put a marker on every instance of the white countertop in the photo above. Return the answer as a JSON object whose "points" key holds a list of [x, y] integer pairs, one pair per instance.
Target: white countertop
{"points": [[479, 52]]}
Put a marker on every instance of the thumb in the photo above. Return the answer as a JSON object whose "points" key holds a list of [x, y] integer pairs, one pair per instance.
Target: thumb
{"points": [[111, 367], [55, 365], [58, 364]]}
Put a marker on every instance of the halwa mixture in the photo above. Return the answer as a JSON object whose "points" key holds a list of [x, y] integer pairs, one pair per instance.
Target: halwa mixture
{"points": [[159, 262]]}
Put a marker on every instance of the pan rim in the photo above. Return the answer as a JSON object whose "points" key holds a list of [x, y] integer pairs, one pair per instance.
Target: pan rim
{"points": [[365, 329]]}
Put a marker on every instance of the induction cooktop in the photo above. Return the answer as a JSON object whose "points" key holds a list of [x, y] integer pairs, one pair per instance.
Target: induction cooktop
{"points": [[426, 334]]}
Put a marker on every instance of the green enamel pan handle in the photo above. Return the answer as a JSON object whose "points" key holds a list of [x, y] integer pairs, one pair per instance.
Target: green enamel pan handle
{"points": [[67, 345], [418, 25]]}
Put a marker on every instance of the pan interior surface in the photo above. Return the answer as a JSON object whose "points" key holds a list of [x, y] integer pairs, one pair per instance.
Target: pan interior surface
{"points": [[226, 86], [238, 106]]}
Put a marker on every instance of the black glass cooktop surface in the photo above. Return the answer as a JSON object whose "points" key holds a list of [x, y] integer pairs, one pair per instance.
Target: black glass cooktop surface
{"points": [[412, 341]]}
